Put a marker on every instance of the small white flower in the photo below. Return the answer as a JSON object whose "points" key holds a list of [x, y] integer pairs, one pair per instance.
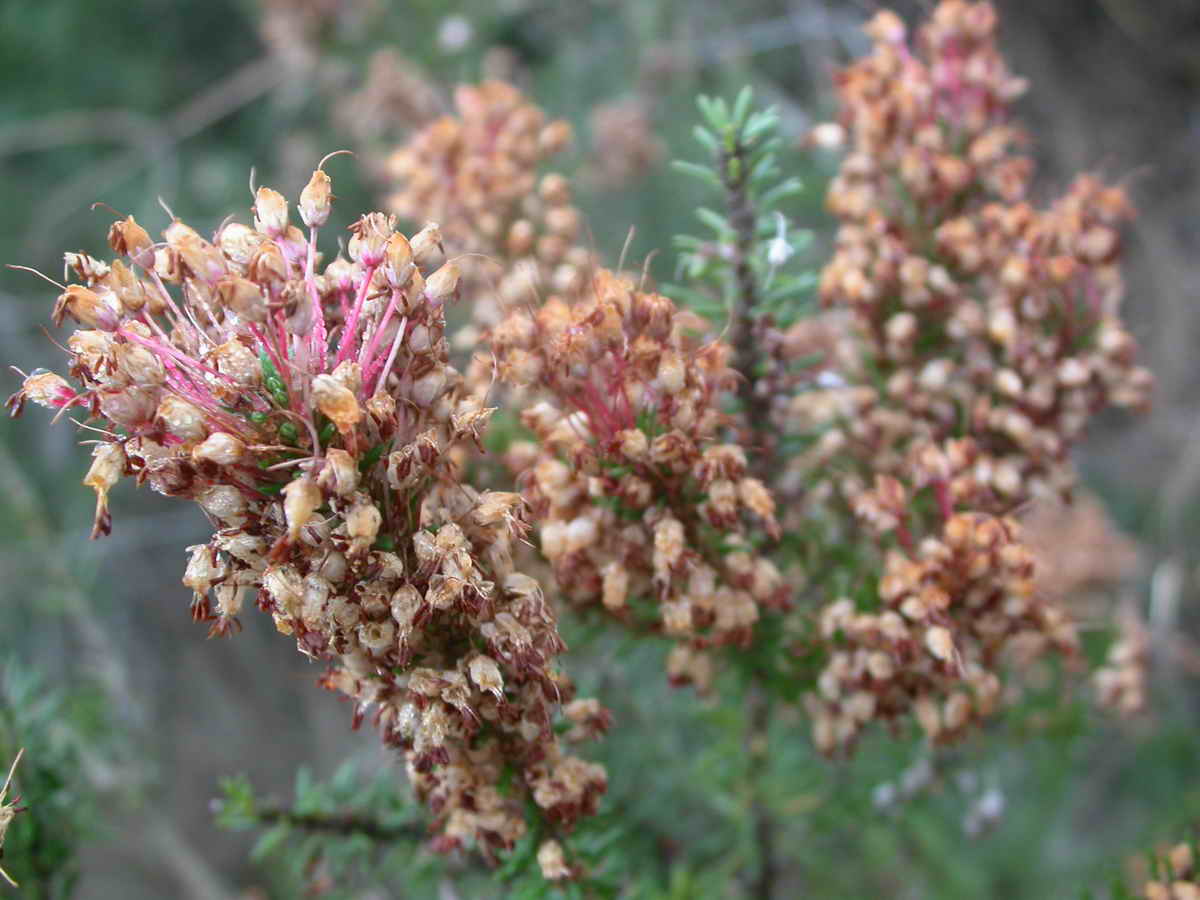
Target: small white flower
{"points": [[779, 250], [454, 33]]}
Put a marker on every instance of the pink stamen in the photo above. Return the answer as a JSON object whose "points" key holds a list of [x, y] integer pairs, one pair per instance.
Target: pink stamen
{"points": [[180, 318], [318, 339], [352, 325], [391, 357], [281, 335], [167, 349], [368, 350]]}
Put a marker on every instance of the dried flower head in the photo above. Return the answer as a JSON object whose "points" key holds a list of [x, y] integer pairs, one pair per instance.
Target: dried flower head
{"points": [[476, 175], [309, 408], [644, 508], [975, 310], [974, 336], [624, 144]]}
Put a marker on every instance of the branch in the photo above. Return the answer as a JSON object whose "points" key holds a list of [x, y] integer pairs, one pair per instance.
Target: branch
{"points": [[339, 824], [756, 408], [763, 886]]}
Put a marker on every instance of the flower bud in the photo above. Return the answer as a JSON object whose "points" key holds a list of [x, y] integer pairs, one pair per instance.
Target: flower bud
{"points": [[427, 249], [371, 234], [634, 443], [229, 599], [301, 499], [182, 419], [223, 502], [239, 242], [362, 526], [442, 284], [616, 585], [270, 212], [238, 362], [46, 389], [552, 862], [244, 297], [340, 474], [316, 200], [554, 137], [669, 544], [220, 448], [285, 587], [486, 675], [337, 402], [128, 238], [268, 265], [88, 307], [108, 465], [398, 260], [940, 643], [555, 189], [671, 373], [377, 637], [426, 388]]}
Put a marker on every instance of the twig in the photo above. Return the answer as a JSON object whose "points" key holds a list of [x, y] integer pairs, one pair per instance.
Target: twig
{"points": [[344, 824], [756, 408], [763, 886], [122, 126]]}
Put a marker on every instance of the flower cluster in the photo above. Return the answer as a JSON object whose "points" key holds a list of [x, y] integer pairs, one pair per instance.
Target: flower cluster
{"points": [[395, 94], [294, 30], [476, 174], [975, 310], [1176, 877], [624, 144], [309, 409], [978, 335], [1121, 683], [637, 496], [948, 612], [1079, 551]]}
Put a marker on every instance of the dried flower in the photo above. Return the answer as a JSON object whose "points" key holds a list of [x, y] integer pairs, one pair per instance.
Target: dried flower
{"points": [[313, 414], [638, 497], [970, 338], [517, 233]]}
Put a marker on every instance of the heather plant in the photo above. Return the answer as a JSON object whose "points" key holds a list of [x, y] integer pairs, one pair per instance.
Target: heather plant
{"points": [[58, 748], [449, 458]]}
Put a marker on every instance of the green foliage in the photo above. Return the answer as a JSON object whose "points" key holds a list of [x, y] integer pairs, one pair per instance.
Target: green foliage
{"points": [[63, 735], [743, 145], [676, 823], [352, 831]]}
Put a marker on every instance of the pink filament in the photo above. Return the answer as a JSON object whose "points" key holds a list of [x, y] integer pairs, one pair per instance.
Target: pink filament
{"points": [[368, 350], [319, 337], [352, 326]]}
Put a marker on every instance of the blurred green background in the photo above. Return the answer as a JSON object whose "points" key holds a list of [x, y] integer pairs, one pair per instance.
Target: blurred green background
{"points": [[136, 716]]}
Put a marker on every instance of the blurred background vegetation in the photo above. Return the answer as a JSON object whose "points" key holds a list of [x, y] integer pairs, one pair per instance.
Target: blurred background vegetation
{"points": [[131, 719]]}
